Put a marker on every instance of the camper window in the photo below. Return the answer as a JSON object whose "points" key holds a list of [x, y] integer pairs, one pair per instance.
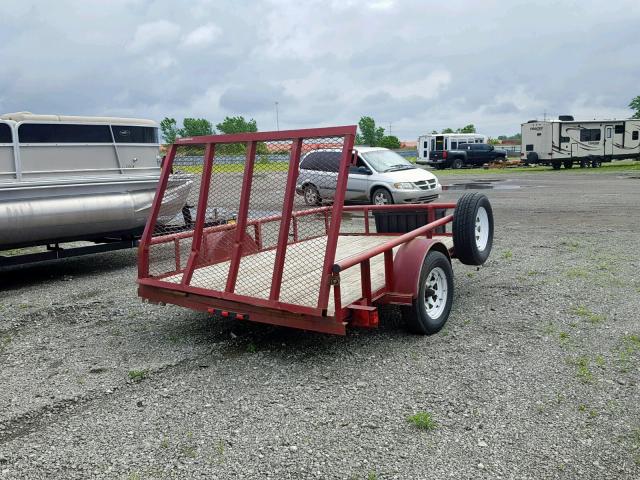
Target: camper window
{"points": [[63, 133], [128, 134], [5, 133], [529, 147], [634, 135], [590, 135], [564, 139], [454, 145], [619, 129]]}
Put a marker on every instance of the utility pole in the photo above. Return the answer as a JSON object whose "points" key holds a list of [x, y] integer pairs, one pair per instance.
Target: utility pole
{"points": [[545, 115], [389, 128], [277, 119]]}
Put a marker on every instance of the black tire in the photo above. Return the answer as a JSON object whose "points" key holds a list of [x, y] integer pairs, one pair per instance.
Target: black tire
{"points": [[380, 193], [596, 163], [473, 229], [568, 163], [532, 158], [457, 163], [556, 165], [440, 166], [584, 163], [436, 270], [311, 195]]}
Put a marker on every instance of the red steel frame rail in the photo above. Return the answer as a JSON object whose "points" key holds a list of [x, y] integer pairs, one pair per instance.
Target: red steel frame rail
{"points": [[347, 133]]}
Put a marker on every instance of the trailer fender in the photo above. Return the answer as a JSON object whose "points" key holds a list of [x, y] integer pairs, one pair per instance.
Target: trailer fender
{"points": [[408, 261]]}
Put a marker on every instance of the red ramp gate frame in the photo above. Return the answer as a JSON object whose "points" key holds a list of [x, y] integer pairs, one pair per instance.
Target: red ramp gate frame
{"points": [[248, 246]]}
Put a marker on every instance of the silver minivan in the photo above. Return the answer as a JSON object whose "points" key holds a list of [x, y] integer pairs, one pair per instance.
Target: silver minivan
{"points": [[380, 177]]}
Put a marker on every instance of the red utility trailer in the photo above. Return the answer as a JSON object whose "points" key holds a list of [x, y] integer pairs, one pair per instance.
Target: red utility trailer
{"points": [[247, 246]]}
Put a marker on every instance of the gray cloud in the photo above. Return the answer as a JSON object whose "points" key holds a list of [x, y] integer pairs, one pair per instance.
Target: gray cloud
{"points": [[417, 65]]}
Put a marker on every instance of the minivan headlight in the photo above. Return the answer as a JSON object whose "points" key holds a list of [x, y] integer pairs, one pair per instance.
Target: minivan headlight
{"points": [[404, 186]]}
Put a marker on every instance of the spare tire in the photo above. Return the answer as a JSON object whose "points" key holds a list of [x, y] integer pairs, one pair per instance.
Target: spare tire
{"points": [[532, 157], [473, 229]]}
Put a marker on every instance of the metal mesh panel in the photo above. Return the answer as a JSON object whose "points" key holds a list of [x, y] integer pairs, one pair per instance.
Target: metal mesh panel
{"points": [[249, 262]]}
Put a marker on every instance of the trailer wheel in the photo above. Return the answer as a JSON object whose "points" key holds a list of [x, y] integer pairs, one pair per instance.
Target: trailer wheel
{"points": [[568, 163], [473, 229], [430, 309], [311, 195], [584, 163], [556, 165], [595, 163], [457, 163]]}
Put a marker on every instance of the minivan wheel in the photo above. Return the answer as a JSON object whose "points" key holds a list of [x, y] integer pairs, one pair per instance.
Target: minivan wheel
{"points": [[311, 195], [381, 196]]}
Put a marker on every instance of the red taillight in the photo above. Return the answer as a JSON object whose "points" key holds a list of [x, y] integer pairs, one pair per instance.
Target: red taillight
{"points": [[444, 154]]}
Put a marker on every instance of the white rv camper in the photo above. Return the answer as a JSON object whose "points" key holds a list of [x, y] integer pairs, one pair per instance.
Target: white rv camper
{"points": [[588, 143], [438, 142]]}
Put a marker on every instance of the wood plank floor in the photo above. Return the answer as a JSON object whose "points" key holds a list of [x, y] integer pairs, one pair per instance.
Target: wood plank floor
{"points": [[301, 273]]}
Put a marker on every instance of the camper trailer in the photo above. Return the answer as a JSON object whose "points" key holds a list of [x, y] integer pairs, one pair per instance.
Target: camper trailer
{"points": [[439, 142], [69, 178], [565, 141]]}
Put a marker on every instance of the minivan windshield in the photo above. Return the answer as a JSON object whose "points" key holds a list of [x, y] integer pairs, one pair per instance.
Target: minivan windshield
{"points": [[386, 161]]}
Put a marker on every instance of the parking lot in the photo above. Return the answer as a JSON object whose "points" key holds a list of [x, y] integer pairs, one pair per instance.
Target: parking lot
{"points": [[536, 374]]}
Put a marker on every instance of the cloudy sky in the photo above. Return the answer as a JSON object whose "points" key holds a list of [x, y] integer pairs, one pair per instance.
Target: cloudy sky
{"points": [[421, 65]]}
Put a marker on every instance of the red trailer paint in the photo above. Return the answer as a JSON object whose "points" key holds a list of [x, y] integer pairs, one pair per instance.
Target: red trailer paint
{"points": [[255, 251]]}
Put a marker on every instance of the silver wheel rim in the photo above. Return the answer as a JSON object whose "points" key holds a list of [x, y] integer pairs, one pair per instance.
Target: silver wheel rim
{"points": [[310, 195], [436, 291], [482, 229], [380, 198]]}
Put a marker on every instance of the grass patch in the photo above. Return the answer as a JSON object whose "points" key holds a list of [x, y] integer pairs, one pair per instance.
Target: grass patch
{"points": [[583, 372], [138, 375], [372, 475], [5, 340], [564, 337], [630, 345], [576, 272], [251, 348], [189, 451], [423, 420], [508, 255], [572, 244], [237, 167], [584, 312], [549, 329]]}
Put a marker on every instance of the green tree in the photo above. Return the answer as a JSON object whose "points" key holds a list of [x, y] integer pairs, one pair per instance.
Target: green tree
{"points": [[237, 125], [447, 130], [390, 141], [169, 129], [195, 127], [231, 125], [369, 133], [467, 129], [434, 132], [635, 106]]}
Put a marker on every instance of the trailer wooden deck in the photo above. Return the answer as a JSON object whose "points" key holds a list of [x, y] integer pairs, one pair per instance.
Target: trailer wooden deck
{"points": [[301, 273]]}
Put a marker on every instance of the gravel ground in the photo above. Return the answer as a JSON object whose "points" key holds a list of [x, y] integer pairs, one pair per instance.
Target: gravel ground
{"points": [[536, 375]]}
